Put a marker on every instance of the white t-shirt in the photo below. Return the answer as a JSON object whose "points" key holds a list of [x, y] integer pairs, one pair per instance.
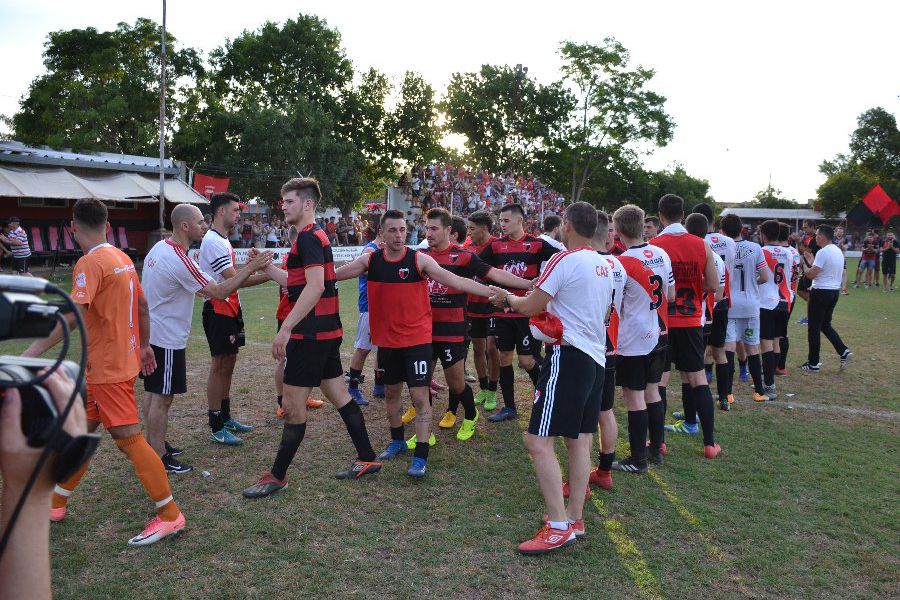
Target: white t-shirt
{"points": [[644, 293], [170, 280], [831, 260], [709, 297], [723, 247], [216, 255], [748, 262], [581, 284], [555, 243]]}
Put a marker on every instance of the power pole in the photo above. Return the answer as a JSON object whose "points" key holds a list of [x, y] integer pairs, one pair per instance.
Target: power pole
{"points": [[162, 124]]}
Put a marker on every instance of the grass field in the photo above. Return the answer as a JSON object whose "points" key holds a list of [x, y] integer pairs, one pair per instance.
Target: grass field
{"points": [[802, 502]]}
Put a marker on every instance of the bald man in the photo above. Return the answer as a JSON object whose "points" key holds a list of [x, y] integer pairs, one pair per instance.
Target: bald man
{"points": [[171, 280]]}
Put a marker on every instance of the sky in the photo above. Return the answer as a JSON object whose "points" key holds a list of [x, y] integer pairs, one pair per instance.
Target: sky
{"points": [[759, 92]]}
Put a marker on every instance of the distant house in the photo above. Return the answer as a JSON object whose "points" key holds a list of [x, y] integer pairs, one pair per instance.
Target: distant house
{"points": [[792, 216], [40, 185]]}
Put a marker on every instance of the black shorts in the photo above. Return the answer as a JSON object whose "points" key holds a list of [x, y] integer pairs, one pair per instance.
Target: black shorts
{"points": [[889, 268], [224, 334], [609, 383], [635, 372], [804, 283], [480, 328], [449, 353], [170, 376], [20, 265], [662, 346], [770, 322], [686, 348], [568, 395], [718, 329], [309, 362], [411, 364], [514, 333]]}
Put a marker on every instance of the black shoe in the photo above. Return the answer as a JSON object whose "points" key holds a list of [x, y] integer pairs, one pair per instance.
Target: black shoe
{"points": [[724, 404], [629, 466], [654, 456], [172, 450], [173, 465], [360, 468]]}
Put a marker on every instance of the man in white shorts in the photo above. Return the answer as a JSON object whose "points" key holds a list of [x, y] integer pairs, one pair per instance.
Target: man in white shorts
{"points": [[750, 270]]}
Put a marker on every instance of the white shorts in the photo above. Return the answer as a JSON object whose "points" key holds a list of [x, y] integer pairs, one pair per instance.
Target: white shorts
{"points": [[363, 338], [743, 330]]}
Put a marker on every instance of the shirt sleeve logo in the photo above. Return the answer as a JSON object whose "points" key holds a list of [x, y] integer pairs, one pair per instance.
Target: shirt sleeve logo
{"points": [[81, 280]]}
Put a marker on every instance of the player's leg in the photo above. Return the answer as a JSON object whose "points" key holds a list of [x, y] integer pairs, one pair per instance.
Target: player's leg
{"points": [[831, 300], [636, 463], [754, 361], [609, 429], [362, 347], [161, 386], [527, 348], [462, 393], [767, 326], [391, 365], [64, 490], [354, 421], [279, 386], [506, 345], [717, 349], [118, 412]]}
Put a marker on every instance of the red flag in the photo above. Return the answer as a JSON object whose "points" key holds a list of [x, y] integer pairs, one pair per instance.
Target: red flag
{"points": [[881, 204], [207, 186]]}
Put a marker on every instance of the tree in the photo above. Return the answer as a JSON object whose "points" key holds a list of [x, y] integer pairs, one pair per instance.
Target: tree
{"points": [[874, 159], [613, 113], [508, 118], [101, 89], [772, 198], [412, 129]]}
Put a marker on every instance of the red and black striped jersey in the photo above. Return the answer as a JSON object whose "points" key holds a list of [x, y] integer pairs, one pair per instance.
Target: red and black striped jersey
{"points": [[284, 304], [448, 305], [522, 257], [479, 307], [399, 304], [311, 249]]}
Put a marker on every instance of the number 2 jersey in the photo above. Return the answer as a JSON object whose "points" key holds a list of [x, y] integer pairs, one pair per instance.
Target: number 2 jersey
{"points": [[641, 319], [745, 293]]}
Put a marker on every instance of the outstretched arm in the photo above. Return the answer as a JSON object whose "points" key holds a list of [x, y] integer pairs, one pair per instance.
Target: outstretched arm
{"points": [[354, 268], [507, 279], [429, 267]]}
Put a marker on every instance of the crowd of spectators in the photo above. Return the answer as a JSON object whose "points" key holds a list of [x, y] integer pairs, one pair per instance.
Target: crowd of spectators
{"points": [[463, 191]]}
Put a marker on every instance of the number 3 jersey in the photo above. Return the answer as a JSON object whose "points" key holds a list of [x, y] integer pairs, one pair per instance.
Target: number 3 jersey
{"points": [[748, 261], [688, 258], [648, 271]]}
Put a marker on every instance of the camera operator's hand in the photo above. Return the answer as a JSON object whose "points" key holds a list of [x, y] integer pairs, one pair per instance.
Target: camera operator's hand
{"points": [[17, 458]]}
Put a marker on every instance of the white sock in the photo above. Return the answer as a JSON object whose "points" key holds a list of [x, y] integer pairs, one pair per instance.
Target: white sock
{"points": [[560, 525]]}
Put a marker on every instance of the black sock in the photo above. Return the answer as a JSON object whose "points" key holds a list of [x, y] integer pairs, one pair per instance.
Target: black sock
{"points": [[467, 399], [354, 378], [226, 409], [356, 427], [637, 436], [703, 400], [507, 386], [755, 366], [708, 367], [452, 402], [379, 376], [291, 436], [421, 450], [782, 356], [606, 461], [743, 363], [216, 422], [656, 421], [665, 409], [722, 380], [687, 401], [729, 362], [483, 383], [397, 434], [492, 385], [279, 400], [768, 365], [533, 373]]}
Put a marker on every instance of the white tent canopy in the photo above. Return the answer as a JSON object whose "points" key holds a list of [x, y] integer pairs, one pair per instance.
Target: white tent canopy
{"points": [[31, 182]]}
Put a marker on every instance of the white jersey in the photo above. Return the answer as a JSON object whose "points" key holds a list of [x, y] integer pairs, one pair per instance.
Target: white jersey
{"points": [[723, 247], [645, 291], [170, 280], [748, 262], [581, 284], [614, 316], [217, 255], [709, 298], [780, 263], [793, 276], [657, 260]]}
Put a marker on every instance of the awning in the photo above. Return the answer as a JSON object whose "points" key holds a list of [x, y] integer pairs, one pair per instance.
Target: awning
{"points": [[21, 182]]}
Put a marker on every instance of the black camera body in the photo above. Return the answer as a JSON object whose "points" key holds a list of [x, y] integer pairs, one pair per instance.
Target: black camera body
{"points": [[38, 408]]}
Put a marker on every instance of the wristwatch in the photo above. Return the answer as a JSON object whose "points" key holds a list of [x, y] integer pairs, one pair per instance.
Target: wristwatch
{"points": [[506, 301]]}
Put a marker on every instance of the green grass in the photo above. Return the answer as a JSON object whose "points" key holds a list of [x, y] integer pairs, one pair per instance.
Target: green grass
{"points": [[802, 503]]}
